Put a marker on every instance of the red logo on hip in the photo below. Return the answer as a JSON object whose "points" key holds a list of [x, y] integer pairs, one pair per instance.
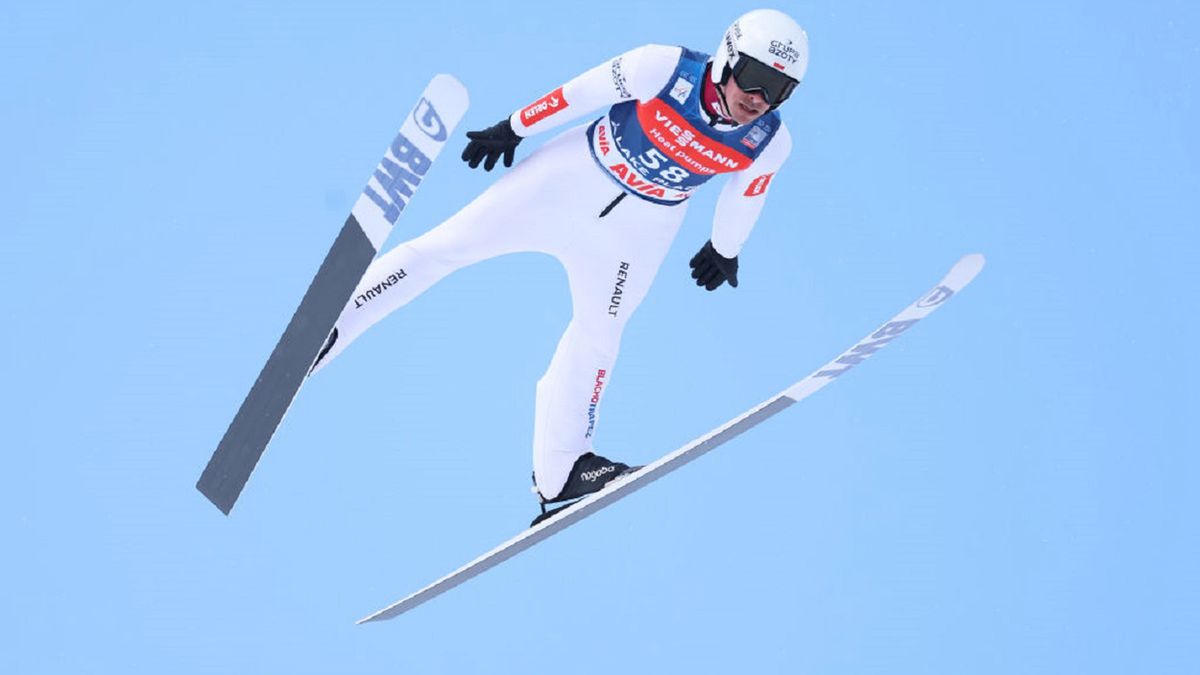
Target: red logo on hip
{"points": [[759, 185]]}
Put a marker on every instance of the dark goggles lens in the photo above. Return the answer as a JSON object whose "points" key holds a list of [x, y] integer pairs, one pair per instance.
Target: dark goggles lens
{"points": [[755, 76]]}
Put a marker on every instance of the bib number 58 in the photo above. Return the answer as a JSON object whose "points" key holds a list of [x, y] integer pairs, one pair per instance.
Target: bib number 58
{"points": [[653, 159]]}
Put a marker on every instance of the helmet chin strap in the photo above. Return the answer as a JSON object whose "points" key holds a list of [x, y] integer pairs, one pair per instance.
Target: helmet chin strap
{"points": [[723, 113]]}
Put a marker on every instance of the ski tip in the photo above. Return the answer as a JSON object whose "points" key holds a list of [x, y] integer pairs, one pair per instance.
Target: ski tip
{"points": [[973, 260], [965, 270], [449, 85]]}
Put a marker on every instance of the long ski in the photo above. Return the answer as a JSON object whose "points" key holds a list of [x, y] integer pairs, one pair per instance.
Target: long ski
{"points": [[421, 138], [962, 273]]}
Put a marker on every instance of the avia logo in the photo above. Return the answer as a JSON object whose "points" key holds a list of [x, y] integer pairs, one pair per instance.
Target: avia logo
{"points": [[759, 185], [602, 139], [596, 391], [785, 51], [629, 177], [936, 297], [544, 107], [591, 476]]}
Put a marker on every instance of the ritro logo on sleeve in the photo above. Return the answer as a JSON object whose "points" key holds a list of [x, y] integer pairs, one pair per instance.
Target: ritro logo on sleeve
{"points": [[544, 107]]}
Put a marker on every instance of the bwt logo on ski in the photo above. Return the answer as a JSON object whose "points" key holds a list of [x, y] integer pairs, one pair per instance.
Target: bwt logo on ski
{"points": [[618, 290], [428, 120], [877, 340], [544, 107], [378, 289], [399, 173], [596, 391], [936, 297]]}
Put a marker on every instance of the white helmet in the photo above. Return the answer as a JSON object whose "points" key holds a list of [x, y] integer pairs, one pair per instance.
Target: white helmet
{"points": [[768, 38]]}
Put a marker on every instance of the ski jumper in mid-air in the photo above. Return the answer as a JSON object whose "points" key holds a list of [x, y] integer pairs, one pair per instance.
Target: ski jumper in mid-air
{"points": [[606, 199]]}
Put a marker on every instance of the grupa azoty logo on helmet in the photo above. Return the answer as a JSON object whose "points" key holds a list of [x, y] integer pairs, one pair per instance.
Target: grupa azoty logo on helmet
{"points": [[765, 35]]}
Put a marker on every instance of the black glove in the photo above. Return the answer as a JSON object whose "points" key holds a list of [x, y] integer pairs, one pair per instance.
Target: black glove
{"points": [[710, 269], [498, 139]]}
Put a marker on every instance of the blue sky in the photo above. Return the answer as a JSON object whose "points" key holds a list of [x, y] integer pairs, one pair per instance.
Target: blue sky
{"points": [[1008, 489]]}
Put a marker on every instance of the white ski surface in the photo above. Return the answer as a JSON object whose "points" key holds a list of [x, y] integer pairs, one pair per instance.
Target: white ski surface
{"points": [[959, 276]]}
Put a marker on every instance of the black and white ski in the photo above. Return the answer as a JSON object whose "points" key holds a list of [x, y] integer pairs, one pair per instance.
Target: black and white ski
{"points": [[421, 138], [963, 272]]}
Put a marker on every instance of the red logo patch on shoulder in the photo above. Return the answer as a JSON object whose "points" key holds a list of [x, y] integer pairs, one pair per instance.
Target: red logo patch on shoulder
{"points": [[759, 185], [543, 107]]}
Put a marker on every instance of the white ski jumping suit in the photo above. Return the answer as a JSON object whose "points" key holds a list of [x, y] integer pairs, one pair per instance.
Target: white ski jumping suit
{"points": [[653, 146]]}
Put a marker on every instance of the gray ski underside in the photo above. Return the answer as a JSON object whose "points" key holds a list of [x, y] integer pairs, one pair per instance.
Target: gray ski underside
{"points": [[272, 394]]}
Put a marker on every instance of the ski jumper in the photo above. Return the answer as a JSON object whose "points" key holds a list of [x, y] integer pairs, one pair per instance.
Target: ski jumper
{"points": [[637, 164]]}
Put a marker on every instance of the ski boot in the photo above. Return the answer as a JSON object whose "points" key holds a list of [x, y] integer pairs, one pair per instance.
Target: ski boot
{"points": [[590, 474]]}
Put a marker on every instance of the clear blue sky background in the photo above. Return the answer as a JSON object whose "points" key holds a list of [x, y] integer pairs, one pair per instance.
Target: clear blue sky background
{"points": [[1009, 489]]}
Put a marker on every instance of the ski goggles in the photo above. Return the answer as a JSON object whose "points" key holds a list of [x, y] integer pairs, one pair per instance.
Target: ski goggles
{"points": [[755, 76]]}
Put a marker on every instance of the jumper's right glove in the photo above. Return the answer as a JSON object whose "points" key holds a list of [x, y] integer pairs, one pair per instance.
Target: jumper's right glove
{"points": [[492, 142], [710, 269]]}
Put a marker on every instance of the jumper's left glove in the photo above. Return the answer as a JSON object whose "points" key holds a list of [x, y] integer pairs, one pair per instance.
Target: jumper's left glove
{"points": [[711, 269], [492, 142]]}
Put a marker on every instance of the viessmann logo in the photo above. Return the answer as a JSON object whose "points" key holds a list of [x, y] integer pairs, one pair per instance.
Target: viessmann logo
{"points": [[544, 107], [682, 143]]}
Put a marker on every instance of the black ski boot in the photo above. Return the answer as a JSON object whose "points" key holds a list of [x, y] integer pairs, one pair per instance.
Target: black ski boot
{"points": [[590, 473]]}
